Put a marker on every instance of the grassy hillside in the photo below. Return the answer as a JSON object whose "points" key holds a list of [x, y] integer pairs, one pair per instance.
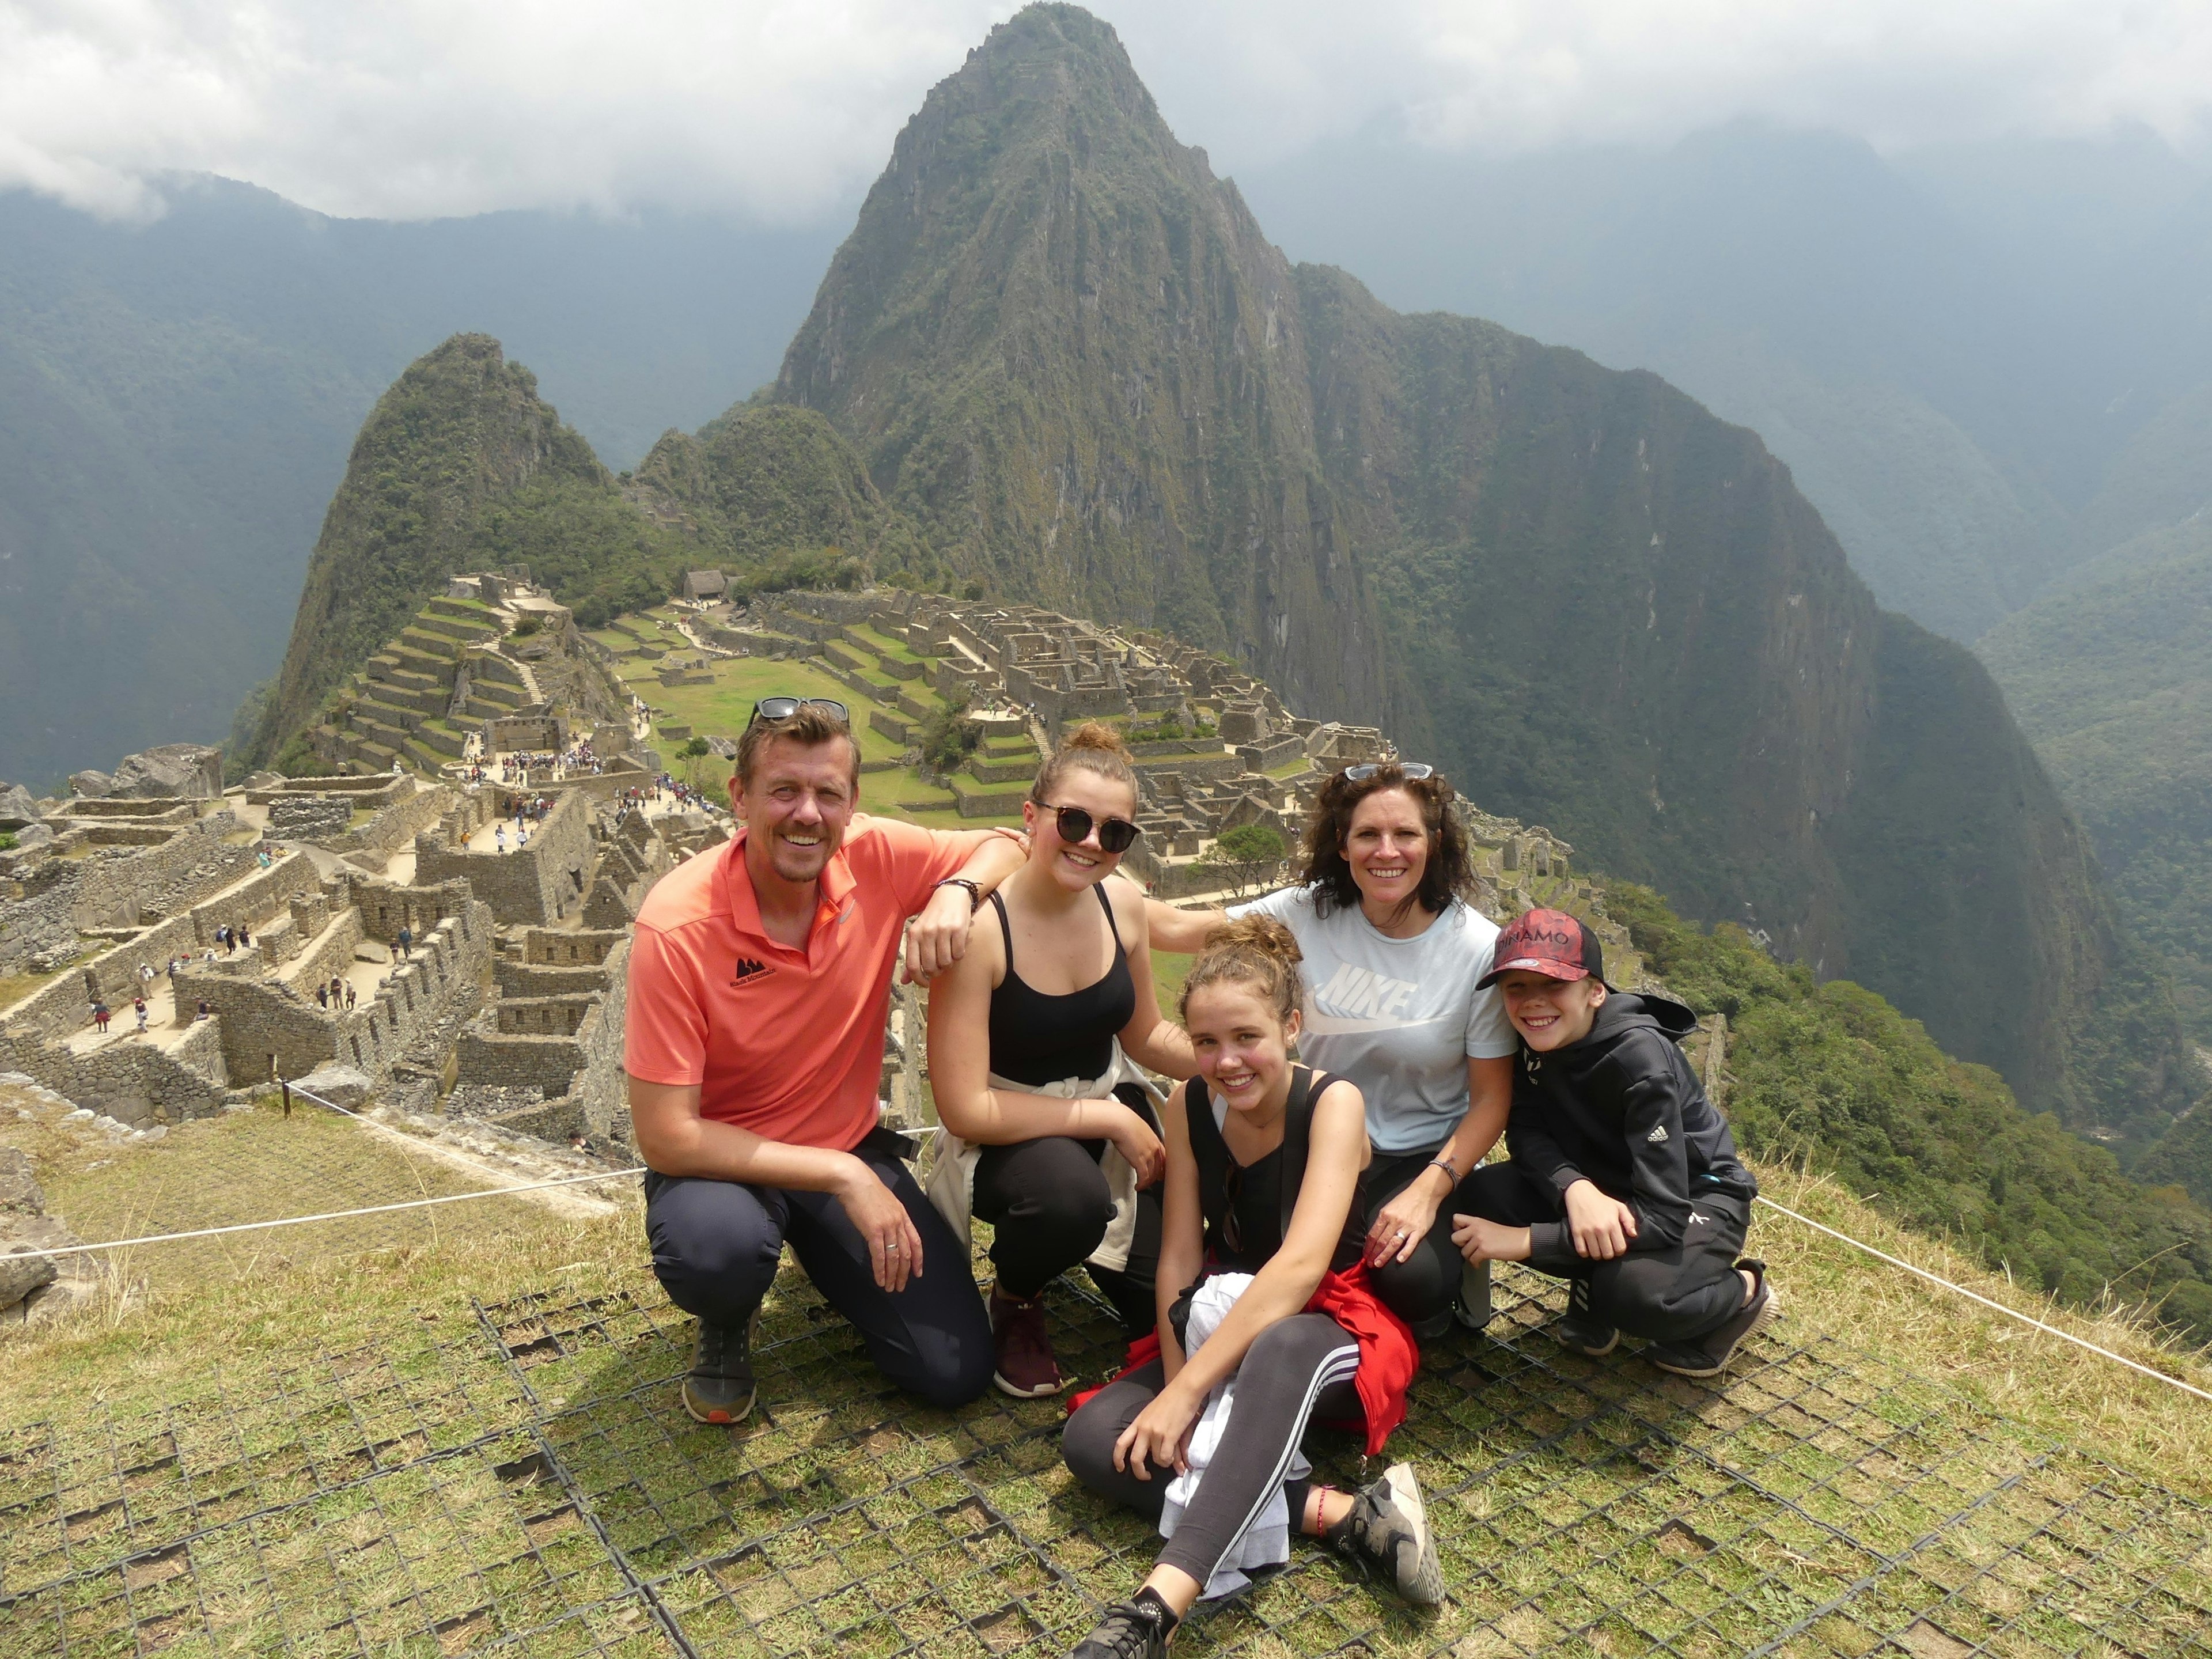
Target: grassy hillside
{"points": [[1833, 1076]]}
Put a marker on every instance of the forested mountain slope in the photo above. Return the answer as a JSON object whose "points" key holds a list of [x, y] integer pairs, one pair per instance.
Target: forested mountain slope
{"points": [[1067, 351], [178, 400]]}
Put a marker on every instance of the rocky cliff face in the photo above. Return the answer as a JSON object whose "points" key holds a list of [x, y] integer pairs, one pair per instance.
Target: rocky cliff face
{"points": [[1067, 350]]}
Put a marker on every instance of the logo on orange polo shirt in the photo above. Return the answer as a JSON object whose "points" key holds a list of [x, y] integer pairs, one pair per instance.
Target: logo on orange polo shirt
{"points": [[748, 969]]}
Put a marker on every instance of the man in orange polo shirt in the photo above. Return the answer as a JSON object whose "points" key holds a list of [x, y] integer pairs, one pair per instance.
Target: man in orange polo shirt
{"points": [[759, 981]]}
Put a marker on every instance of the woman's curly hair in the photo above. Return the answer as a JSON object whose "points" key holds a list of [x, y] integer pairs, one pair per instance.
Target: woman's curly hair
{"points": [[1449, 873]]}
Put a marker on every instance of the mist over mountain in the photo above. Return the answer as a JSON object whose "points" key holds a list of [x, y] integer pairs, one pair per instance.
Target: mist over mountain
{"points": [[178, 400], [1983, 364]]}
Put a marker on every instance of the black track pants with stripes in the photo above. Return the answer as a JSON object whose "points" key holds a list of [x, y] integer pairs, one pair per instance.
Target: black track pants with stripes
{"points": [[1296, 1367]]}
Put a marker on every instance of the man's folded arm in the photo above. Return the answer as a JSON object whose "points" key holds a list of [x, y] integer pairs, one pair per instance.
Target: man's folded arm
{"points": [[675, 1141]]}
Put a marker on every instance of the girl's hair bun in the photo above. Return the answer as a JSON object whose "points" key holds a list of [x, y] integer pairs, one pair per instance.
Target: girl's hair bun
{"points": [[1257, 951]]}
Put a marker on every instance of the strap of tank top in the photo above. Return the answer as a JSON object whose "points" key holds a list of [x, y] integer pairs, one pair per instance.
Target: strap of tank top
{"points": [[1297, 1136], [1106, 905], [1005, 931]]}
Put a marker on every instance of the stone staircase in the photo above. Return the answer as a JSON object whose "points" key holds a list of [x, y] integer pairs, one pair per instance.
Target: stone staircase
{"points": [[395, 712]]}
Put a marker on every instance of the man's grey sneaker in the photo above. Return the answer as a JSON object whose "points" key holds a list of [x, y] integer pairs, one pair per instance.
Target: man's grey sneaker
{"points": [[1709, 1355], [1130, 1630], [1472, 1309], [1388, 1531], [719, 1388], [1581, 1329]]}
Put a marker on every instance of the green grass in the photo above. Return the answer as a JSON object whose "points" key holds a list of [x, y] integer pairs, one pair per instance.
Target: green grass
{"points": [[723, 707]]}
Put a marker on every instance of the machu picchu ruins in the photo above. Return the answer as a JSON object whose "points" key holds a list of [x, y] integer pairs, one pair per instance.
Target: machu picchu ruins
{"points": [[433, 909]]}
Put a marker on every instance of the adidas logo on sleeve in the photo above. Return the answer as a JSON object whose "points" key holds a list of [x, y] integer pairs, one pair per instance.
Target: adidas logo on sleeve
{"points": [[1658, 1133]]}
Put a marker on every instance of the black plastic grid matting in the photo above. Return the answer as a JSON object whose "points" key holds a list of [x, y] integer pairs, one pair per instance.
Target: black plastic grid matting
{"points": [[530, 1485]]}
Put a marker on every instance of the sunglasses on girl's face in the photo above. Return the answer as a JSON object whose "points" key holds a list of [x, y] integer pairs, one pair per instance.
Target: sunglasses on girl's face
{"points": [[782, 709], [1114, 835], [1414, 770]]}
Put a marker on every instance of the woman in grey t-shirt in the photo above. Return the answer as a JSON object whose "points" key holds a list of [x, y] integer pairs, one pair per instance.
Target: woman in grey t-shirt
{"points": [[1392, 953]]}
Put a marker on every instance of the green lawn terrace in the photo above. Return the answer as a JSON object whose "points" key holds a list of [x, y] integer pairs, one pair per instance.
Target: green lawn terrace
{"points": [[704, 682], [471, 654]]}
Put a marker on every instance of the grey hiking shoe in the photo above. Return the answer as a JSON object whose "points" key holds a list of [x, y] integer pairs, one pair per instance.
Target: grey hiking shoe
{"points": [[1709, 1355], [1388, 1531], [1130, 1630], [1581, 1329], [719, 1388]]}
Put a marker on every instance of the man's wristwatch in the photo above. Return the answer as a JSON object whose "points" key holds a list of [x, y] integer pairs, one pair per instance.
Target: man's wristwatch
{"points": [[974, 893]]}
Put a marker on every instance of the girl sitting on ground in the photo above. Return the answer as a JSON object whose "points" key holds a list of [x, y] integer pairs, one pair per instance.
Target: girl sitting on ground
{"points": [[1277, 1321], [1049, 1132]]}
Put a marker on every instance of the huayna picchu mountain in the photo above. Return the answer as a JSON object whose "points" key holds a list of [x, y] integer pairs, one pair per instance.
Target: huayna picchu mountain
{"points": [[1058, 359], [1068, 351]]}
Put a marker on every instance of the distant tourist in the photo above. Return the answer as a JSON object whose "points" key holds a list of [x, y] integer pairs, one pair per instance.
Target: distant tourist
{"points": [[145, 973], [204, 1009], [337, 989], [322, 994], [1048, 1131], [1263, 1224], [1395, 958], [1624, 1181], [101, 1016], [261, 856], [245, 935], [138, 1007], [759, 983], [406, 938], [348, 996]]}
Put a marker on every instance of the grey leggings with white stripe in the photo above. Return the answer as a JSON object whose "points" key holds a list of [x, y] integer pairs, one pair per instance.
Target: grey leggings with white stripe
{"points": [[1295, 1367]]}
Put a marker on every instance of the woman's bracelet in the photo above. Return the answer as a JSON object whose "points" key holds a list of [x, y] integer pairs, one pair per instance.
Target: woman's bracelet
{"points": [[974, 892], [1445, 1164]]}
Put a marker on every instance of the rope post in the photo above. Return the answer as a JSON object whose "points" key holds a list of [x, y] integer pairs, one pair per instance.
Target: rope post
{"points": [[285, 1084]]}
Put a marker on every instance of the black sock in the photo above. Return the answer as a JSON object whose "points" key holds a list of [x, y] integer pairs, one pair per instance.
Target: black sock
{"points": [[1169, 1617]]}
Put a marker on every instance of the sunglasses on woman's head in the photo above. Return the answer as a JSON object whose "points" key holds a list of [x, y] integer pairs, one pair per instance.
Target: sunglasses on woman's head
{"points": [[782, 709], [1114, 835], [1414, 770]]}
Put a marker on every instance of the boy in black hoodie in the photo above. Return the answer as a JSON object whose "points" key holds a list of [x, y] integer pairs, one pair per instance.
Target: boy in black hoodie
{"points": [[1623, 1178]]}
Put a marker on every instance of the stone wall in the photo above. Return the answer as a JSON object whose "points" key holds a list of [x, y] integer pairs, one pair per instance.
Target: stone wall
{"points": [[579, 1075], [539, 883], [133, 1082], [396, 825]]}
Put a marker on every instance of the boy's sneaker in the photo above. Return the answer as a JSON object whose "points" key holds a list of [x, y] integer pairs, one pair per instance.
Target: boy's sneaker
{"points": [[1024, 1364], [1130, 1630], [1709, 1355], [1472, 1309], [718, 1388], [1581, 1329], [1388, 1530]]}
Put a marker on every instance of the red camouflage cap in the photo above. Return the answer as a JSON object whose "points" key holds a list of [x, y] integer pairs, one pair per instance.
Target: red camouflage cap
{"points": [[1548, 942]]}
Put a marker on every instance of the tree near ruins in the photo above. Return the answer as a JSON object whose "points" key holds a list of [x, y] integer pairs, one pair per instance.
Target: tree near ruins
{"points": [[1249, 857]]}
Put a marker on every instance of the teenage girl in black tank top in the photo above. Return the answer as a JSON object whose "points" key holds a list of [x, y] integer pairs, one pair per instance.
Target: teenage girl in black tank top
{"points": [[1037, 1004], [1264, 1158]]}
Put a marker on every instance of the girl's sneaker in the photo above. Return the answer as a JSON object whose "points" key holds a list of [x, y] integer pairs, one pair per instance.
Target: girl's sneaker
{"points": [[1388, 1531]]}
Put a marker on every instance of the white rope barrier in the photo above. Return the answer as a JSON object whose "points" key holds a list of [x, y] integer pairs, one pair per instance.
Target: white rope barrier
{"points": [[1987, 1302], [335, 1215], [637, 1169]]}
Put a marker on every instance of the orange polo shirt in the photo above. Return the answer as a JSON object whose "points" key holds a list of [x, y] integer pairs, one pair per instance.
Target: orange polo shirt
{"points": [[788, 1043]]}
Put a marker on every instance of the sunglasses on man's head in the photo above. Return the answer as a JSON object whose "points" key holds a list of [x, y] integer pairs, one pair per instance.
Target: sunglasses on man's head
{"points": [[782, 709], [1114, 835], [1414, 770]]}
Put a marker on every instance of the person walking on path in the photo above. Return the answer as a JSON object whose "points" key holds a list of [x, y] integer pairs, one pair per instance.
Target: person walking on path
{"points": [[406, 940], [759, 983], [350, 996], [1048, 1132], [322, 994], [138, 1006], [1274, 1322], [101, 1017], [1395, 954]]}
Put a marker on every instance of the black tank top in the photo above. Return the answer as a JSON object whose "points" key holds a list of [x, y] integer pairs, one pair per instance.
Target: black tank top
{"points": [[1263, 1193], [1038, 1039]]}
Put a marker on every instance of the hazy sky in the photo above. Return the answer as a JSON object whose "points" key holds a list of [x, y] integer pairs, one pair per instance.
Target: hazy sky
{"points": [[414, 108]]}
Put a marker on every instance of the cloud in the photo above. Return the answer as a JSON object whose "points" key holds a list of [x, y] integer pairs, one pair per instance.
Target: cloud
{"points": [[781, 108]]}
